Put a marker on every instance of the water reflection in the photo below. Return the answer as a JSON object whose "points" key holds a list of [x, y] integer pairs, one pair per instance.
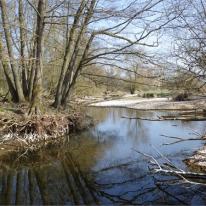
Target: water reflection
{"points": [[120, 174], [122, 135], [101, 166]]}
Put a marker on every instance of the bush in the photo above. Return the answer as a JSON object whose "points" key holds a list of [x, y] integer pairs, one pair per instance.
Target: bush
{"points": [[181, 97], [162, 95], [148, 95]]}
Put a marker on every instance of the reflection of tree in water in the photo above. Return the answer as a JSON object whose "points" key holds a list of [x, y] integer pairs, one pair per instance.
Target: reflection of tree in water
{"points": [[130, 182], [63, 182], [132, 129], [146, 188], [99, 114]]}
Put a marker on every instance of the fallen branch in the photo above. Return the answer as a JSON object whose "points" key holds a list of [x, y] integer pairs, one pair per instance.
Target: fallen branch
{"points": [[170, 169], [183, 173], [169, 118], [180, 139], [146, 119]]}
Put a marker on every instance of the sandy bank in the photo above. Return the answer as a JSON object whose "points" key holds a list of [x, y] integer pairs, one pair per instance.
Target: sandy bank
{"points": [[152, 104]]}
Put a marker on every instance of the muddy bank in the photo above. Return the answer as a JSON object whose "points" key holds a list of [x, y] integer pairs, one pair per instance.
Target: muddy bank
{"points": [[152, 104]]}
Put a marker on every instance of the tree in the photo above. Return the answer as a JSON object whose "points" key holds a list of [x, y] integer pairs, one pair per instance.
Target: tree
{"points": [[189, 48], [17, 90], [69, 36], [36, 97], [110, 40]]}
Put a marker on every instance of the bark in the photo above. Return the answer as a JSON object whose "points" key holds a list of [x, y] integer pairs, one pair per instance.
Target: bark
{"points": [[37, 87], [13, 64], [22, 48], [32, 73], [12, 90]]}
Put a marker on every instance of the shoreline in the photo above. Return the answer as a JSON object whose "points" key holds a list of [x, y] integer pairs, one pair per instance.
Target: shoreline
{"points": [[152, 104]]}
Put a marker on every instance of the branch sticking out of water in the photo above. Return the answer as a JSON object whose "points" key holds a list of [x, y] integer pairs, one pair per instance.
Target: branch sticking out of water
{"points": [[170, 168], [180, 139]]}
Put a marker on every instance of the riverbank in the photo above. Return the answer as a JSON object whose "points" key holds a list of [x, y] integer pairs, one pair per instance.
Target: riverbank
{"points": [[21, 134], [152, 104]]}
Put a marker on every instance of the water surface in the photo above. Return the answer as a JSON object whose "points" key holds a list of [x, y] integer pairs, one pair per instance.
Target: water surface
{"points": [[102, 165], [116, 164]]}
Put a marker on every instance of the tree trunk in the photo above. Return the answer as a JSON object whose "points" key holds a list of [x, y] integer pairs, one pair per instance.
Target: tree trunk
{"points": [[78, 70], [12, 90], [13, 64], [4, 66], [68, 53], [74, 59], [22, 49], [37, 87], [32, 73]]}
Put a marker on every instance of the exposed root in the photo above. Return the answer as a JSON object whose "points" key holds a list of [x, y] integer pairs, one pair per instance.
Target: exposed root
{"points": [[28, 134], [38, 126]]}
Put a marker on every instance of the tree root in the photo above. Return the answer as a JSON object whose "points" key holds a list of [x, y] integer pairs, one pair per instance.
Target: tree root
{"points": [[36, 126], [24, 135]]}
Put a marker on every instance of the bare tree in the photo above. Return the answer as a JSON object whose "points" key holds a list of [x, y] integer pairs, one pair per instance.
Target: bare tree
{"points": [[12, 61], [189, 35], [70, 36], [89, 27]]}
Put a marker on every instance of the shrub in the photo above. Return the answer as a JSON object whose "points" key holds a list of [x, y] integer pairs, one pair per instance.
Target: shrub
{"points": [[148, 95], [181, 97]]}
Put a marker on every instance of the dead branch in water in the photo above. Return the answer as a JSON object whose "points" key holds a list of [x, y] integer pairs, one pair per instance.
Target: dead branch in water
{"points": [[180, 139], [168, 168], [146, 119], [180, 116]]}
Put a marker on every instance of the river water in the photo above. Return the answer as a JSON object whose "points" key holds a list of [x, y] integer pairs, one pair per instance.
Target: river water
{"points": [[106, 165]]}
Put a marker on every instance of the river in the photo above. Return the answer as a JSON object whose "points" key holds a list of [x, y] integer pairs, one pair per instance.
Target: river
{"points": [[103, 165]]}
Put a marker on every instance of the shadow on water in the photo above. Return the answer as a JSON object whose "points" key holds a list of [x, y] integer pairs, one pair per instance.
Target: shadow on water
{"points": [[101, 166]]}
